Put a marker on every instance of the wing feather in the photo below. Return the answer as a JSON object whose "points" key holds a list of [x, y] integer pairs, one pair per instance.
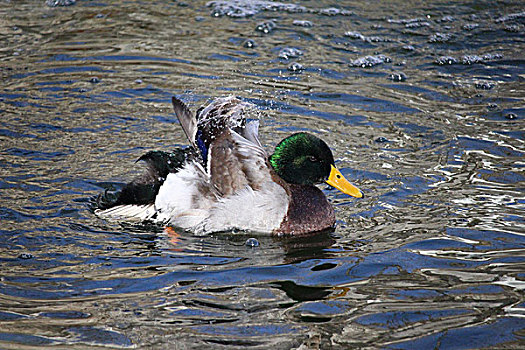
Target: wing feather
{"points": [[236, 163], [186, 119]]}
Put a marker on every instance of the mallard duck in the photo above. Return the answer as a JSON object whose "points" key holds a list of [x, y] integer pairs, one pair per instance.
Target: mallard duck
{"points": [[226, 181]]}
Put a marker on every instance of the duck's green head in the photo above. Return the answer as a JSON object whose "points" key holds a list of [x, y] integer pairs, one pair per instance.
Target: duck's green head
{"points": [[305, 159]]}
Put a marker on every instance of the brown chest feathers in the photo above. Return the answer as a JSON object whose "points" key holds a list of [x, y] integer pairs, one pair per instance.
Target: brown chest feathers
{"points": [[308, 211]]}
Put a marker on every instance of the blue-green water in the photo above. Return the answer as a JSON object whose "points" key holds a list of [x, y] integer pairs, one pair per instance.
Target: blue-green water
{"points": [[421, 102]]}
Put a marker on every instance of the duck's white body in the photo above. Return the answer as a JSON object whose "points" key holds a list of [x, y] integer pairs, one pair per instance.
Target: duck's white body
{"points": [[178, 205]]}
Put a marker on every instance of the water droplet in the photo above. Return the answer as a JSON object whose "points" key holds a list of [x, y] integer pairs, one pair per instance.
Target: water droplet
{"points": [[369, 61], [470, 26], [249, 44], [55, 3], [484, 85], [296, 67], [306, 24], [439, 38], [266, 26], [447, 19], [26, 256], [252, 242], [413, 25], [492, 56], [398, 76], [370, 39], [290, 52], [446, 60], [471, 59], [332, 11], [405, 21]]}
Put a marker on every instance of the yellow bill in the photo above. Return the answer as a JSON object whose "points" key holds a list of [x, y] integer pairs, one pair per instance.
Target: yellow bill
{"points": [[337, 180]]}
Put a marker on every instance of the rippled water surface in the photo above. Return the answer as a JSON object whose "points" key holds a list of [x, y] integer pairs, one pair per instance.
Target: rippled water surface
{"points": [[421, 102]]}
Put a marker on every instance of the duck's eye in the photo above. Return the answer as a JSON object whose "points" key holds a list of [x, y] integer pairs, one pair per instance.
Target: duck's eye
{"points": [[312, 159]]}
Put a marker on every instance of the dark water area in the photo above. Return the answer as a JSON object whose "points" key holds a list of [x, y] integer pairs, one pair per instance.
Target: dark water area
{"points": [[421, 102]]}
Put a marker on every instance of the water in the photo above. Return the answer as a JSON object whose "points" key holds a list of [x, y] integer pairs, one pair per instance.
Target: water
{"points": [[422, 104]]}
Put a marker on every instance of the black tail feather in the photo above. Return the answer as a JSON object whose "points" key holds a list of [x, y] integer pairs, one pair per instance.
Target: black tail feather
{"points": [[145, 187], [103, 200]]}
